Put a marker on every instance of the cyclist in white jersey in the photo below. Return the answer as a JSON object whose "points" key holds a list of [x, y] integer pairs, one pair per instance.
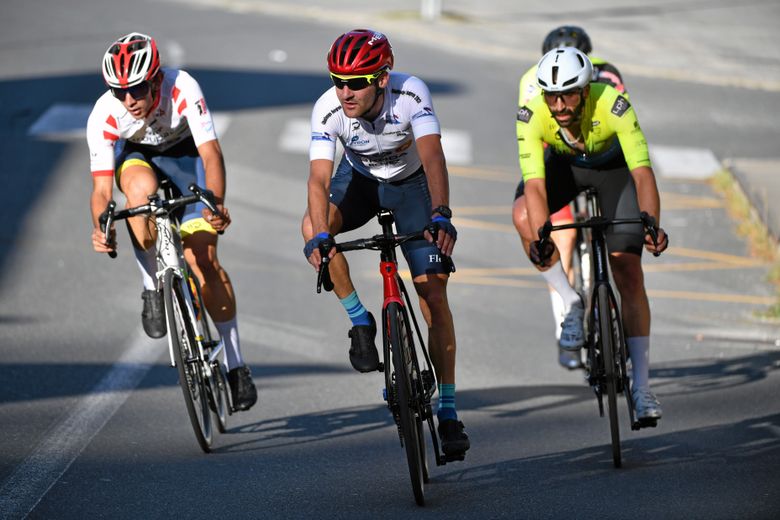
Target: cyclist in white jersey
{"points": [[393, 160], [153, 123]]}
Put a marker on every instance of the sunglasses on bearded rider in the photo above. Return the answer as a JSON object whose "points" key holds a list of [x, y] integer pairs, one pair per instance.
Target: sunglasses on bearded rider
{"points": [[568, 97], [136, 91], [355, 82]]}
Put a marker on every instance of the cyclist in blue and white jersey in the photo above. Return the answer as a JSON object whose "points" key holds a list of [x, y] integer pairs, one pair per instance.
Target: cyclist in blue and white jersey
{"points": [[393, 160]]}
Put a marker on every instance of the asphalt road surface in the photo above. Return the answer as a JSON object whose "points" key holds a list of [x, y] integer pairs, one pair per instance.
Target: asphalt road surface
{"points": [[93, 423]]}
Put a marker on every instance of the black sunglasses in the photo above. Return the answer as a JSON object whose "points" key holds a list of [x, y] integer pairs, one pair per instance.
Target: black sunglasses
{"points": [[354, 82], [567, 97], [136, 91]]}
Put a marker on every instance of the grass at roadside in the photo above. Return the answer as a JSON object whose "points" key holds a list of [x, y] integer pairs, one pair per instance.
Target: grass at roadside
{"points": [[750, 226]]}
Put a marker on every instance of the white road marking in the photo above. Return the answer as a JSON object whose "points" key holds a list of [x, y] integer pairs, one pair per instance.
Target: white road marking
{"points": [[68, 121], [674, 162], [32, 479]]}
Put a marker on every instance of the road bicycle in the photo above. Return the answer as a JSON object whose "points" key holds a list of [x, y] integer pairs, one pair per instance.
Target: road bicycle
{"points": [[194, 350], [408, 386], [605, 346]]}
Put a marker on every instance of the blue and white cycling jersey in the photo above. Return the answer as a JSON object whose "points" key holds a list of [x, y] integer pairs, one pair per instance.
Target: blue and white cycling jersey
{"points": [[384, 148]]}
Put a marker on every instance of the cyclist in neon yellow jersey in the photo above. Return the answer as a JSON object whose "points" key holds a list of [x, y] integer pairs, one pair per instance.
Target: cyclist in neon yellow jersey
{"points": [[594, 140], [603, 72]]}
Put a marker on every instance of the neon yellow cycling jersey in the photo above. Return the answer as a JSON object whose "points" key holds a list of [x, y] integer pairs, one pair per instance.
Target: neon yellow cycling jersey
{"points": [[608, 124]]}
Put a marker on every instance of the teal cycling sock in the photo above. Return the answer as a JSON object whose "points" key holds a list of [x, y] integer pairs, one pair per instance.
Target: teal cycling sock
{"points": [[357, 313], [447, 402]]}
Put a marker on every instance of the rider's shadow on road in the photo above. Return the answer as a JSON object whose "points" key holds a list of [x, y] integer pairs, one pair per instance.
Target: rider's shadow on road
{"points": [[503, 403]]}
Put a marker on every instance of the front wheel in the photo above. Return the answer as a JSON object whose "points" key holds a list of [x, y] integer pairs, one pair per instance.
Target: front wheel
{"points": [[181, 333], [607, 337], [400, 345]]}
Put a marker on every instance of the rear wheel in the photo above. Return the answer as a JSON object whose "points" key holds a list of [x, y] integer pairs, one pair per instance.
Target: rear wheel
{"points": [[607, 337], [410, 420], [178, 312]]}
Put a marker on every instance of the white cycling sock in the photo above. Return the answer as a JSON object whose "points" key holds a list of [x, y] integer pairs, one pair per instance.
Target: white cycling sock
{"points": [[147, 263], [639, 351], [556, 277], [558, 314], [228, 331]]}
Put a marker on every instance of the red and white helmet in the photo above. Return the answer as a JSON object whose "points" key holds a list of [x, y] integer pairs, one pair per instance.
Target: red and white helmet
{"points": [[564, 69], [131, 60], [360, 52]]}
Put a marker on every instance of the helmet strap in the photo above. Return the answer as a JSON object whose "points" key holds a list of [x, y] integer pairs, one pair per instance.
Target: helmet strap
{"points": [[376, 106]]}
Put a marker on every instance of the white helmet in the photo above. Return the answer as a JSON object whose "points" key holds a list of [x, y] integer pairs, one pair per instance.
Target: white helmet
{"points": [[131, 60], [564, 69]]}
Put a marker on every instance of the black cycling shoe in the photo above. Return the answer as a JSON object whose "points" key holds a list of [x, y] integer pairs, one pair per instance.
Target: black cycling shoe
{"points": [[153, 315], [242, 388], [362, 352], [454, 441]]}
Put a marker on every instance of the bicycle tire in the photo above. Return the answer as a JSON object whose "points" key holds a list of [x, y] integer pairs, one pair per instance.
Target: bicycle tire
{"points": [[191, 377], [606, 337], [219, 394], [399, 345]]}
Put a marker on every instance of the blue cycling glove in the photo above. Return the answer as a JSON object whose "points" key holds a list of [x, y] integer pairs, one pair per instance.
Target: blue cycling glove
{"points": [[315, 243], [445, 224]]}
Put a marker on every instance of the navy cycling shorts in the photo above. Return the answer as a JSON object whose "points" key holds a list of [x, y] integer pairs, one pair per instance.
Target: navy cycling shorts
{"points": [[181, 164], [359, 199]]}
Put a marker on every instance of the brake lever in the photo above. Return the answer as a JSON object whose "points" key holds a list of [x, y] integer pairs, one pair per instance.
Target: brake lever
{"points": [[323, 274], [652, 230], [207, 198], [106, 219]]}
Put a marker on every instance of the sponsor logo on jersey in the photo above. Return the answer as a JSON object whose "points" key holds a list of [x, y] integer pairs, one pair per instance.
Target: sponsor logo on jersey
{"points": [[408, 93], [330, 114], [357, 141], [201, 104], [321, 136], [524, 114], [426, 111], [620, 106]]}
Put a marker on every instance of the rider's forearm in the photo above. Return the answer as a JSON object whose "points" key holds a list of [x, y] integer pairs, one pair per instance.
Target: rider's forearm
{"points": [[435, 167], [214, 165], [318, 207], [102, 188], [438, 182], [97, 203], [647, 192], [215, 177], [536, 204]]}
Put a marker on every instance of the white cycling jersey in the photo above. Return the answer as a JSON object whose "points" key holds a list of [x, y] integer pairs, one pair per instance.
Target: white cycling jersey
{"points": [[385, 147], [181, 112]]}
